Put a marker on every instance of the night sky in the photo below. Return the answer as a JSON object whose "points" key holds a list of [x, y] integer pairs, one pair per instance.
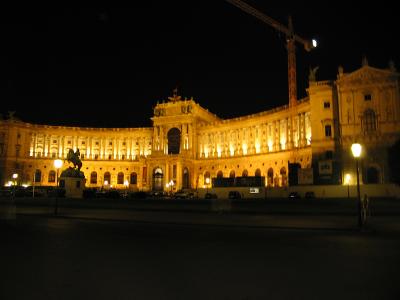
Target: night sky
{"points": [[108, 67]]}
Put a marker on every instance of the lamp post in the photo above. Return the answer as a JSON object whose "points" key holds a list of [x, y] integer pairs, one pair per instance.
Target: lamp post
{"points": [[356, 150], [126, 184], [347, 179], [57, 164], [14, 184]]}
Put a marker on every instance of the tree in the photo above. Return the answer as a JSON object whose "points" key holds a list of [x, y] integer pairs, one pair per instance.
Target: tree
{"points": [[394, 162]]}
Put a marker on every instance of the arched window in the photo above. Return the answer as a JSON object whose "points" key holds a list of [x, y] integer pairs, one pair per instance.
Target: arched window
{"points": [[93, 178], [133, 178], [174, 141], [52, 176], [107, 178], [258, 173], [270, 175], [245, 173], [220, 174], [232, 174], [369, 120], [38, 176], [120, 178]]}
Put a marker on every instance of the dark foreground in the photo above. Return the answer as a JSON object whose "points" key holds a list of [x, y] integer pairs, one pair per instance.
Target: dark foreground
{"points": [[45, 257]]}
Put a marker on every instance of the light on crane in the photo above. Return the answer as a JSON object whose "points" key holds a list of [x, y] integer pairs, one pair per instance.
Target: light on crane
{"points": [[291, 38]]}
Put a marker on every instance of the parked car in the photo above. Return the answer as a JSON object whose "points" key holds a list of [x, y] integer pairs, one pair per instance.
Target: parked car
{"points": [[309, 195], [210, 196], [234, 195], [294, 195]]}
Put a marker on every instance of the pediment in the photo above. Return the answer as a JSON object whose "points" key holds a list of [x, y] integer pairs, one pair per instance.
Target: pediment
{"points": [[367, 73]]}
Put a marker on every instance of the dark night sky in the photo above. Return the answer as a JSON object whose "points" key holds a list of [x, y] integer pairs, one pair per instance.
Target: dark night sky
{"points": [[108, 67]]}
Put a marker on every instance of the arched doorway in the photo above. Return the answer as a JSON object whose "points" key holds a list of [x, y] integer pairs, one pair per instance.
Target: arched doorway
{"points": [[245, 173], [232, 174], [220, 174], [158, 179], [174, 141], [372, 175], [257, 173], [185, 179]]}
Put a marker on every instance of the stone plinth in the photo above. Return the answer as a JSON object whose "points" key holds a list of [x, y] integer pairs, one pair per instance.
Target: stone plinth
{"points": [[73, 186]]}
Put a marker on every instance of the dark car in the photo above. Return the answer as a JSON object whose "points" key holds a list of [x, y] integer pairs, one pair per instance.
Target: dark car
{"points": [[294, 195], [210, 196], [309, 195], [234, 195]]}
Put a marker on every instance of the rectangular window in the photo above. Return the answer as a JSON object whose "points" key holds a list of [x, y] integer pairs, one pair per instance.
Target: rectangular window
{"points": [[96, 156], [97, 143], [174, 171], [69, 142], [82, 156], [53, 155], [54, 141], [123, 144], [109, 156], [367, 97], [329, 154], [110, 143], [83, 143], [327, 104], [328, 130]]}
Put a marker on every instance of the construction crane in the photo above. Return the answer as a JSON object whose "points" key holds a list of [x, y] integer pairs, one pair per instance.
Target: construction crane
{"points": [[291, 38]]}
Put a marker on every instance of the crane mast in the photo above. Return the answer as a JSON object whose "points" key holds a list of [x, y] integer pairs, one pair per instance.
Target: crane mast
{"points": [[291, 38]]}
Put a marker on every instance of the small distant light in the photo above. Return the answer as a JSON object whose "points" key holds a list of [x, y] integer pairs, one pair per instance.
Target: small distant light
{"points": [[314, 43], [25, 185], [15, 175]]}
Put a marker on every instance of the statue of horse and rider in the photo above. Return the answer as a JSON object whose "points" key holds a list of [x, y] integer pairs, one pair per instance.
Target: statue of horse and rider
{"points": [[74, 158]]}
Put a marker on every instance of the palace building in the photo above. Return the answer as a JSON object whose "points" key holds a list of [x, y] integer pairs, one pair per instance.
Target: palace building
{"points": [[187, 144]]}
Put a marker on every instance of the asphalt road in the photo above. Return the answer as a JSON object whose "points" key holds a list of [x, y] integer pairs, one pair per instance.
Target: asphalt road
{"points": [[73, 258]]}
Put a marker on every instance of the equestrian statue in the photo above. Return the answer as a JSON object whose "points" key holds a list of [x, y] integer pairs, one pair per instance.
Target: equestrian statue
{"points": [[74, 158]]}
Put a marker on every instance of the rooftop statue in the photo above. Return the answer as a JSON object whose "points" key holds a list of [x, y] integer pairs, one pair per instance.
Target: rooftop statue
{"points": [[312, 74]]}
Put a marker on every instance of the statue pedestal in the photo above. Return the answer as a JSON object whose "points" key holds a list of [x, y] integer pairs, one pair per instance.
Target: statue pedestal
{"points": [[73, 186]]}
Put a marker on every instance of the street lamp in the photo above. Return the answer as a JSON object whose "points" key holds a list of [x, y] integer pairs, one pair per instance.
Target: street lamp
{"points": [[347, 179], [14, 183], [356, 150], [57, 164]]}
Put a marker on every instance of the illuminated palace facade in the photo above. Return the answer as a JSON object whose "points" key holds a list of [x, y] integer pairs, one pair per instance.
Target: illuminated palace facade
{"points": [[188, 144]]}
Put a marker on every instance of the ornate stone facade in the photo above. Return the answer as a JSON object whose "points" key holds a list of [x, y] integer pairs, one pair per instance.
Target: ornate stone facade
{"points": [[188, 144]]}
